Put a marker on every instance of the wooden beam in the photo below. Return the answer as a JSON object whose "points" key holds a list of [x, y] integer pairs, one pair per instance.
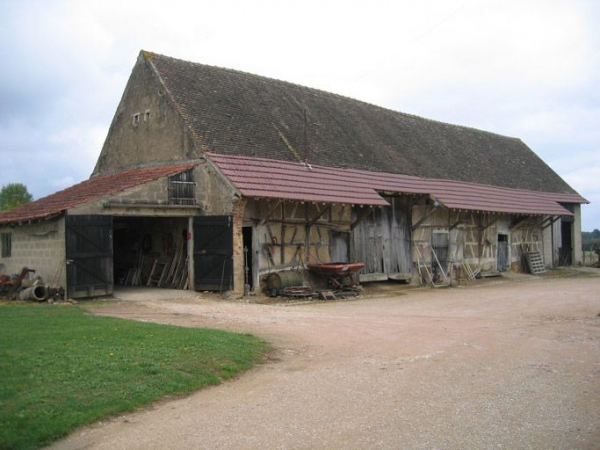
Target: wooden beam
{"points": [[552, 221], [321, 223], [424, 218], [539, 223], [271, 212], [318, 216], [483, 228], [362, 217], [455, 224], [293, 214], [517, 223]]}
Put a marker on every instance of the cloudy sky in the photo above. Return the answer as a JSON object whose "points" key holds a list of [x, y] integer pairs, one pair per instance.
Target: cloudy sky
{"points": [[523, 68]]}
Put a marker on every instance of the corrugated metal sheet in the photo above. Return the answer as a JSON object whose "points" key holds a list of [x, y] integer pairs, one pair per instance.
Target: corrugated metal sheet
{"points": [[266, 178], [88, 190]]}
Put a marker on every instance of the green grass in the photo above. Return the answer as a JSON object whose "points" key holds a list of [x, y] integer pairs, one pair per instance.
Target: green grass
{"points": [[61, 368]]}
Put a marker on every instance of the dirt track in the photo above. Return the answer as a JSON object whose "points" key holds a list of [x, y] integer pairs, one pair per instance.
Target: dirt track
{"points": [[506, 366]]}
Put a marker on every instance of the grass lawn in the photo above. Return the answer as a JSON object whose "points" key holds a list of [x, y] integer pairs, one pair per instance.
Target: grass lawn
{"points": [[61, 368]]}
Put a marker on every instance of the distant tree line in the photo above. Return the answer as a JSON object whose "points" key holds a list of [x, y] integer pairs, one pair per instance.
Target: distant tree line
{"points": [[590, 239]]}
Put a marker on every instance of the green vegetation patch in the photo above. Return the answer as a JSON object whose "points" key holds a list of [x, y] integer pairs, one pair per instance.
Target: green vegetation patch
{"points": [[61, 368]]}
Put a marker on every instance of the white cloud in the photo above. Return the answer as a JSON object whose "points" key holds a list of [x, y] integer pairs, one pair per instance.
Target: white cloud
{"points": [[527, 68]]}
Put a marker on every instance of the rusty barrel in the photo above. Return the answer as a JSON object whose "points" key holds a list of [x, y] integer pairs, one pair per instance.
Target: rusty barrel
{"points": [[281, 280]]}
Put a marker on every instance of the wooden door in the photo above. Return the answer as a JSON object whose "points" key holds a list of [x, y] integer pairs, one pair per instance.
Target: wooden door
{"points": [[213, 253], [89, 249], [382, 241]]}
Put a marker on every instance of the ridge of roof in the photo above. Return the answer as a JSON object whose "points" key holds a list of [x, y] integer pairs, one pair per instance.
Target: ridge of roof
{"points": [[88, 190]]}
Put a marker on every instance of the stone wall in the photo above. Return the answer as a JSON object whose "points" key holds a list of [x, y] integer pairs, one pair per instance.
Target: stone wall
{"points": [[214, 196], [159, 134], [40, 247]]}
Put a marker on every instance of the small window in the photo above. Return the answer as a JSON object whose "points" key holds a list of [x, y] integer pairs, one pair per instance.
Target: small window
{"points": [[136, 119], [147, 116], [6, 244], [182, 189]]}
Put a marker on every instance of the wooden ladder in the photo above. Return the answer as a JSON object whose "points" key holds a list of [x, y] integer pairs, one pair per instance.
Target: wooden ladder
{"points": [[421, 264], [156, 273]]}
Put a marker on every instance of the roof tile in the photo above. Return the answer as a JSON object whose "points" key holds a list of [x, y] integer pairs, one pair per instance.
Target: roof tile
{"points": [[236, 113], [266, 178], [92, 189]]}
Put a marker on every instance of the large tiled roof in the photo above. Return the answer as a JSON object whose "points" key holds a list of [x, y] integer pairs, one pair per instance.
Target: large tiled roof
{"points": [[235, 113], [267, 178], [88, 190]]}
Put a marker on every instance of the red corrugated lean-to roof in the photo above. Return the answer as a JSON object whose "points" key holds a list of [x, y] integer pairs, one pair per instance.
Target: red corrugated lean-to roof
{"points": [[266, 178], [89, 190]]}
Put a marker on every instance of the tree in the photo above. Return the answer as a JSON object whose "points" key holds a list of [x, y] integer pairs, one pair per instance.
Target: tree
{"points": [[12, 195]]}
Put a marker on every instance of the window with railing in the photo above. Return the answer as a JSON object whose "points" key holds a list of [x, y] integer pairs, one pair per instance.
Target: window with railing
{"points": [[182, 189]]}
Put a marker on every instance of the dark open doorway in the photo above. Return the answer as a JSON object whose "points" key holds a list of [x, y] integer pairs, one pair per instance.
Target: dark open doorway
{"points": [[248, 261], [566, 243], [502, 262], [151, 251]]}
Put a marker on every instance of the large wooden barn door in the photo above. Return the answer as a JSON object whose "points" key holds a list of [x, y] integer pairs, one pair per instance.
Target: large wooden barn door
{"points": [[383, 241], [213, 253], [89, 247]]}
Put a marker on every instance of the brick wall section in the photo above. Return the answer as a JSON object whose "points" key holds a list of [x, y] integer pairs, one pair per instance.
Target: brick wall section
{"points": [[40, 247], [238, 247]]}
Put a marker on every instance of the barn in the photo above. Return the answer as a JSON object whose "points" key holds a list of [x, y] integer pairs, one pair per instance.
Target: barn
{"points": [[211, 178]]}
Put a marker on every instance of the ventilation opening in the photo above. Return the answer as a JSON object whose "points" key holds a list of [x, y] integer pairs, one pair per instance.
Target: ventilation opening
{"points": [[182, 189], [6, 245]]}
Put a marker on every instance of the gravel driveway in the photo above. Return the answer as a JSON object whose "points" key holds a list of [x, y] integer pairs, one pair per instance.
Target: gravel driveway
{"points": [[503, 366]]}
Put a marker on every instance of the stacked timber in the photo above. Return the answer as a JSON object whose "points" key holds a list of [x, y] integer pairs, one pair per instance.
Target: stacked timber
{"points": [[171, 272]]}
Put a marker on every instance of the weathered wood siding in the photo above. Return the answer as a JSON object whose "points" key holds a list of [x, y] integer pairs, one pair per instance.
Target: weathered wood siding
{"points": [[382, 240], [288, 233]]}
